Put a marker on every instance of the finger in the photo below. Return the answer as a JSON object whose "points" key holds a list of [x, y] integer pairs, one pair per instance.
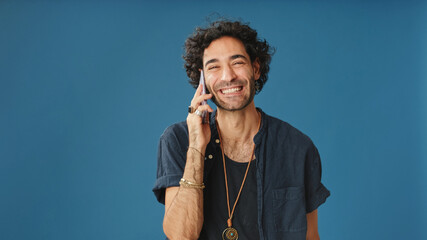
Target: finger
{"points": [[201, 108], [199, 99], [196, 95], [203, 97], [194, 118], [206, 107], [198, 91]]}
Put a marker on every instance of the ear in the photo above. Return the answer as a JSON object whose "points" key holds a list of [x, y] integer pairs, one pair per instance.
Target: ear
{"points": [[256, 68]]}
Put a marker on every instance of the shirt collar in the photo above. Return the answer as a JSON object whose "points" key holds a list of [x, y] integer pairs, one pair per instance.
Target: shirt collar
{"points": [[257, 137]]}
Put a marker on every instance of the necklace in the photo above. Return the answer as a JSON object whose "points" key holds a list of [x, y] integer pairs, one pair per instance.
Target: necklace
{"points": [[230, 233]]}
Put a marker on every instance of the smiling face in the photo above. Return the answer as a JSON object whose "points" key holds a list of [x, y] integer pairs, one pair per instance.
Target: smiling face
{"points": [[229, 73]]}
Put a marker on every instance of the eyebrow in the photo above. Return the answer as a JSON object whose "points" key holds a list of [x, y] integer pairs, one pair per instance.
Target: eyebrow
{"points": [[231, 58], [237, 56], [211, 61]]}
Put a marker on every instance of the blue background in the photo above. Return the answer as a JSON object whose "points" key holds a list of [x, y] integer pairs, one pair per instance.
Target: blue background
{"points": [[87, 88]]}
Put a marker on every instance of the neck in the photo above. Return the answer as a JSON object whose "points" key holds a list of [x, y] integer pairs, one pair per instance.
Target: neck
{"points": [[239, 125]]}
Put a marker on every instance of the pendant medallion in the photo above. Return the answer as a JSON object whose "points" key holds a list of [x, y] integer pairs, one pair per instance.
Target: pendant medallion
{"points": [[230, 234]]}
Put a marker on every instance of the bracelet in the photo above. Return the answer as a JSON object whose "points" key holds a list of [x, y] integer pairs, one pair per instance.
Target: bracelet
{"points": [[189, 184], [197, 151]]}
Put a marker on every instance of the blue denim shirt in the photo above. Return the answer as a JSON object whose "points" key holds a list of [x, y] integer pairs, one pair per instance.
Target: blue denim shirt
{"points": [[288, 173]]}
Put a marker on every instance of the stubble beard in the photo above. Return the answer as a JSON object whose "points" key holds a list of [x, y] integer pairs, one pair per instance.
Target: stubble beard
{"points": [[223, 106]]}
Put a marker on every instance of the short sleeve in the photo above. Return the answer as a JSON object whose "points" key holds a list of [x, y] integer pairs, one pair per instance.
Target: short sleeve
{"points": [[171, 157], [315, 192]]}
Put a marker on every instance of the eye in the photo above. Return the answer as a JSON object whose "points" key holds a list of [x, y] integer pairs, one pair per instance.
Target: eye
{"points": [[212, 67], [238, 63]]}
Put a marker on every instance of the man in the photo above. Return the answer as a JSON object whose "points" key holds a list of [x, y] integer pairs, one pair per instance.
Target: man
{"points": [[243, 174]]}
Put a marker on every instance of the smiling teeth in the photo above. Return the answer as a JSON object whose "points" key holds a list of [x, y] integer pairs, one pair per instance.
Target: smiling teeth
{"points": [[231, 90]]}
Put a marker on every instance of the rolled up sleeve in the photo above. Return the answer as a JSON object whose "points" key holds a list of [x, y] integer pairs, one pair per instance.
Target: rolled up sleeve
{"points": [[171, 157], [316, 193]]}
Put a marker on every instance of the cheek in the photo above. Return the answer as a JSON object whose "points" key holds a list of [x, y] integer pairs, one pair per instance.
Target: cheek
{"points": [[252, 72], [244, 72], [208, 86], [210, 82]]}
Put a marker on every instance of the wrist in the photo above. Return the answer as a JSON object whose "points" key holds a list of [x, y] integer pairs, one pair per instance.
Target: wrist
{"points": [[198, 150], [198, 142], [200, 147], [187, 184]]}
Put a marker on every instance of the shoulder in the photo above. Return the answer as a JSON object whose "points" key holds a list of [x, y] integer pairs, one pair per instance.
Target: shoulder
{"points": [[180, 127], [284, 131], [175, 132]]}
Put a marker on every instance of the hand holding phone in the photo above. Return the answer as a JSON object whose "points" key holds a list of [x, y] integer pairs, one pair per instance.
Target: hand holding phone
{"points": [[202, 82]]}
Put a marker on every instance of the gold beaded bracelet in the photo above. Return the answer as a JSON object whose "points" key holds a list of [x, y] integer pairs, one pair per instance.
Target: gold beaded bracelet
{"points": [[189, 184]]}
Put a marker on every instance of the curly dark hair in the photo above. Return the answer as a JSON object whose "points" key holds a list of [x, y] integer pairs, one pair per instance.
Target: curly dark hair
{"points": [[202, 38]]}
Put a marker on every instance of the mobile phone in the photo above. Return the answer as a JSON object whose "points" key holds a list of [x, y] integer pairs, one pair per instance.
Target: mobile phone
{"points": [[202, 82]]}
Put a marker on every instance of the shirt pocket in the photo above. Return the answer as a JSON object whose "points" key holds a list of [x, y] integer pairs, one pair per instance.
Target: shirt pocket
{"points": [[289, 209]]}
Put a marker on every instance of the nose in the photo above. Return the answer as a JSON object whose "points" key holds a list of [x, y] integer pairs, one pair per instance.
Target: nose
{"points": [[228, 74]]}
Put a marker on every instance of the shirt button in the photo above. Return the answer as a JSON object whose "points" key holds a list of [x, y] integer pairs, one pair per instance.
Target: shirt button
{"points": [[210, 156], [217, 140]]}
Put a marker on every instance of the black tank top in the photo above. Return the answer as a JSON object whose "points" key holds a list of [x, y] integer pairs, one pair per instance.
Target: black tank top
{"points": [[215, 201]]}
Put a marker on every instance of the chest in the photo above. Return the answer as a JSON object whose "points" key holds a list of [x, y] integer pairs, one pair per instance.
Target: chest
{"points": [[238, 151], [215, 200]]}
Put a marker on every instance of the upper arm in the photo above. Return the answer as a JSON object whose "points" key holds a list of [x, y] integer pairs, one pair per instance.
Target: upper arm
{"points": [[315, 192], [312, 229], [171, 158]]}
